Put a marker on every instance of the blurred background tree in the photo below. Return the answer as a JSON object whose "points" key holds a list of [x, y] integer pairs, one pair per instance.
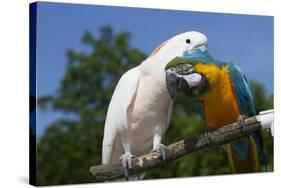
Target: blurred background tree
{"points": [[69, 146]]}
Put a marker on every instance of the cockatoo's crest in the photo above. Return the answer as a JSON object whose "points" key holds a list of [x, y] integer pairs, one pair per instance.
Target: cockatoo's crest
{"points": [[156, 50], [180, 44]]}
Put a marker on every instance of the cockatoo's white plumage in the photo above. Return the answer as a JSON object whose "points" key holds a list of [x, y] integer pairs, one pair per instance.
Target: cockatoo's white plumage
{"points": [[140, 109]]}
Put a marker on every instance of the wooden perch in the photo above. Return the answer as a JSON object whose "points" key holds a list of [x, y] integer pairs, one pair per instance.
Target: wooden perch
{"points": [[181, 148]]}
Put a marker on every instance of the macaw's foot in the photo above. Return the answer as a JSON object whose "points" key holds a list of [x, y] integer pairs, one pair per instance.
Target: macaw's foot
{"points": [[241, 121], [207, 132], [160, 150], [126, 160]]}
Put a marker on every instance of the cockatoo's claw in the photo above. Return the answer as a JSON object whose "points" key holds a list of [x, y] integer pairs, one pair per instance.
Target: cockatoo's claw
{"points": [[126, 160], [160, 150]]}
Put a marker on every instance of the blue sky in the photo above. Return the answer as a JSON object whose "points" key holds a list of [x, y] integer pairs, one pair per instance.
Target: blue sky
{"points": [[244, 39]]}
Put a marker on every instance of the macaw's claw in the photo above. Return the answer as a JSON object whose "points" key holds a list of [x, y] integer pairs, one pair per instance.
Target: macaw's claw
{"points": [[160, 150], [126, 160], [241, 121]]}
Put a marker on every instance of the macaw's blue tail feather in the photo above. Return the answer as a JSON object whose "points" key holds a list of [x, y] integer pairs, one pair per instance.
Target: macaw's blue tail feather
{"points": [[244, 155], [241, 147], [259, 141]]}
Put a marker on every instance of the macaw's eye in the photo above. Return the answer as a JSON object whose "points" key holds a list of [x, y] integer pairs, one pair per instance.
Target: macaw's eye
{"points": [[187, 41]]}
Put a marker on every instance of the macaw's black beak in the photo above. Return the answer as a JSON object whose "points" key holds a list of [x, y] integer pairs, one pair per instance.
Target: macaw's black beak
{"points": [[183, 79], [172, 81]]}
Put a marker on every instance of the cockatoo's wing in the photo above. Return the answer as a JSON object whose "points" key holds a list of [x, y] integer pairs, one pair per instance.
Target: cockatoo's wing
{"points": [[116, 119], [170, 110]]}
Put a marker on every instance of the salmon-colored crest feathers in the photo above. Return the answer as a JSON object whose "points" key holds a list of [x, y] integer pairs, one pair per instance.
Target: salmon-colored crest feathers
{"points": [[156, 50]]}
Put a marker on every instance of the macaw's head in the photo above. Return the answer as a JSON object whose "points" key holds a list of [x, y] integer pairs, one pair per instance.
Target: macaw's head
{"points": [[191, 73]]}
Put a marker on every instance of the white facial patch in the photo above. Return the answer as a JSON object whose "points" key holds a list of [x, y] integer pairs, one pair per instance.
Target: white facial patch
{"points": [[192, 79]]}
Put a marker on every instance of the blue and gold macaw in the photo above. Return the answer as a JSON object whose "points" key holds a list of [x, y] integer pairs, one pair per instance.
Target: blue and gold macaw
{"points": [[222, 96]]}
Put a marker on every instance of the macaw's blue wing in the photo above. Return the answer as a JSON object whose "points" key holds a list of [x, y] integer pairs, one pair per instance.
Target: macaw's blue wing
{"points": [[247, 107], [198, 108], [242, 90]]}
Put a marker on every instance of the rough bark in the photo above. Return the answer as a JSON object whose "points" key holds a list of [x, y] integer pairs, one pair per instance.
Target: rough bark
{"points": [[181, 148]]}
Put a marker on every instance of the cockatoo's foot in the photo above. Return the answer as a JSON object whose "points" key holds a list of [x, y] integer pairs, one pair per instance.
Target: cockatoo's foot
{"points": [[126, 160], [160, 150]]}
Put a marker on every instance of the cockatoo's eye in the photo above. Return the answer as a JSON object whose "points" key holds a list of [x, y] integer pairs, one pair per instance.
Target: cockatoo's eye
{"points": [[188, 41]]}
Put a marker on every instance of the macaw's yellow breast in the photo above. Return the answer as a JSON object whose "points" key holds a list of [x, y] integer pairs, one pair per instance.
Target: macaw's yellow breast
{"points": [[218, 102]]}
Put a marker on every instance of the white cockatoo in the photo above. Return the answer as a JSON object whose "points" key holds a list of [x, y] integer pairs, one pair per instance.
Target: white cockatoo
{"points": [[141, 105]]}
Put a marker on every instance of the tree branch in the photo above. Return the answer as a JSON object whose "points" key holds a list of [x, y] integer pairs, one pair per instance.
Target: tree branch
{"points": [[181, 148]]}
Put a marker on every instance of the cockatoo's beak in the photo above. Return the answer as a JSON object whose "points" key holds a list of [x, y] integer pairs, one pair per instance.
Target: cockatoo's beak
{"points": [[202, 47]]}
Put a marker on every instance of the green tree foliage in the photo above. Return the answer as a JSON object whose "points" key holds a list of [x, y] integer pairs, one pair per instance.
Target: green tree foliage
{"points": [[71, 145]]}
